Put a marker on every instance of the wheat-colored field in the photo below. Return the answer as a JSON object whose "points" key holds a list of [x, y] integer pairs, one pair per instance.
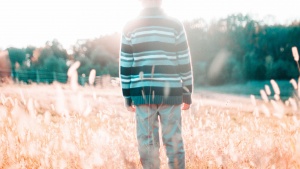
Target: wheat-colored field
{"points": [[53, 126]]}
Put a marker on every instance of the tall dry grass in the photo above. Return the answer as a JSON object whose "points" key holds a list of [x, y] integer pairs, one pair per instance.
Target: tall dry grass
{"points": [[273, 104], [68, 126], [53, 126]]}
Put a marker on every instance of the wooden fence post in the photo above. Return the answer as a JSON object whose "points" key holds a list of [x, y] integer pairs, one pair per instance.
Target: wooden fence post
{"points": [[54, 76], [17, 77], [37, 77]]}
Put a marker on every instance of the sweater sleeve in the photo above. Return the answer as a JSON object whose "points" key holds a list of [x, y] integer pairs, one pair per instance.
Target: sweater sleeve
{"points": [[126, 60], [184, 63]]}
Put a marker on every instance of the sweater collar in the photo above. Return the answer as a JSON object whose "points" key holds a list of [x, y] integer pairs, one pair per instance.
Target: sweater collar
{"points": [[152, 11]]}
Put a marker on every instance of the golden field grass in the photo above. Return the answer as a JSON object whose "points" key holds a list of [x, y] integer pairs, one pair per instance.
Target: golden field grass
{"points": [[53, 126]]}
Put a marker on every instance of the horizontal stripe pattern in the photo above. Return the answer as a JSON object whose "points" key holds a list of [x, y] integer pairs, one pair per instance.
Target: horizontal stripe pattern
{"points": [[147, 69], [155, 83], [155, 60], [154, 38]]}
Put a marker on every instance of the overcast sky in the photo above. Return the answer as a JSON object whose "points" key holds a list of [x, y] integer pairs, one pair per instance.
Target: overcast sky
{"points": [[33, 22]]}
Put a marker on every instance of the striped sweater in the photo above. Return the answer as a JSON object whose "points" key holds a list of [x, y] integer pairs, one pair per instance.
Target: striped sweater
{"points": [[155, 63]]}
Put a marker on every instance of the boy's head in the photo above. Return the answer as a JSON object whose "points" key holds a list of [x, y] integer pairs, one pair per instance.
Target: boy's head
{"points": [[151, 3]]}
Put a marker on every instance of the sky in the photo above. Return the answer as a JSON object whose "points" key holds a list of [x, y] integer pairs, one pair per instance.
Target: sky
{"points": [[33, 22]]}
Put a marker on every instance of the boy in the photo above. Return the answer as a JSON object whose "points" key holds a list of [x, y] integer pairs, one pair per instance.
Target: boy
{"points": [[156, 77]]}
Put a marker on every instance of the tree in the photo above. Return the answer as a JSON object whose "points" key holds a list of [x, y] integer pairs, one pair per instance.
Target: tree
{"points": [[17, 57], [100, 54]]}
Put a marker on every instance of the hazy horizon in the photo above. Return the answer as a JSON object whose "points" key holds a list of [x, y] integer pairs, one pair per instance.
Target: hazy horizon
{"points": [[34, 22]]}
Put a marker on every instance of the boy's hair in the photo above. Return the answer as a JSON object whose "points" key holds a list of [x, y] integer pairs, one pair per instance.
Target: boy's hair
{"points": [[150, 0]]}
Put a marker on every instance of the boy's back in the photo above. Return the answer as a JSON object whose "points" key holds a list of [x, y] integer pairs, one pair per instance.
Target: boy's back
{"points": [[155, 61], [156, 75]]}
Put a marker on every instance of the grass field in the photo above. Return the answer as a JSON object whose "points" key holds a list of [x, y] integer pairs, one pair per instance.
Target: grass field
{"points": [[52, 126]]}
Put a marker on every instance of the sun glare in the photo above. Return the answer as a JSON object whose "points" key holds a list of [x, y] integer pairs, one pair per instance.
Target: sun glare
{"points": [[34, 22]]}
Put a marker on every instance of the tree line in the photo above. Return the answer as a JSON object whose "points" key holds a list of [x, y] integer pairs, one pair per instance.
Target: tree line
{"points": [[231, 50], [239, 48]]}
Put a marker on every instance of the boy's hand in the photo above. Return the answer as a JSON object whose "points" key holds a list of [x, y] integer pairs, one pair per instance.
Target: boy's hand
{"points": [[185, 106], [130, 108]]}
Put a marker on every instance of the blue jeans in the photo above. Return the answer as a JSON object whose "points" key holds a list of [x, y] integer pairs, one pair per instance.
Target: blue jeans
{"points": [[148, 135]]}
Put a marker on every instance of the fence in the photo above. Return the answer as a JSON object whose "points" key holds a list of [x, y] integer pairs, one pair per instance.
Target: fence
{"points": [[39, 76]]}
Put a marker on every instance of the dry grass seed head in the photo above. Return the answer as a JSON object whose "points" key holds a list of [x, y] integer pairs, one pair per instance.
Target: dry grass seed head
{"points": [[295, 53], [275, 87]]}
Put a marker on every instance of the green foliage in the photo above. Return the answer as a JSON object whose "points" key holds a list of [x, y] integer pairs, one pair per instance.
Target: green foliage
{"points": [[29, 50], [284, 70], [50, 66], [53, 49], [86, 65], [258, 51], [100, 54], [16, 55], [112, 69]]}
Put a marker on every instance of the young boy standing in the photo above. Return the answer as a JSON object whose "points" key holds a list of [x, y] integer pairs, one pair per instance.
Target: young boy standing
{"points": [[157, 81]]}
